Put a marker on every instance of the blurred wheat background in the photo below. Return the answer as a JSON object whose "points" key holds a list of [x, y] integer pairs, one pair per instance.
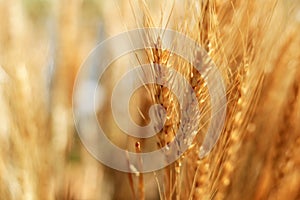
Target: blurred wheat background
{"points": [[255, 44]]}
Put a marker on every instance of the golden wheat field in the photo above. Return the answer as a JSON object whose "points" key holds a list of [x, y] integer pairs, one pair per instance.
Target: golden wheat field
{"points": [[255, 47]]}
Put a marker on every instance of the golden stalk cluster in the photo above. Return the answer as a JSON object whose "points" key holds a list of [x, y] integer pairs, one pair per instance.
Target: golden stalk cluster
{"points": [[254, 44]]}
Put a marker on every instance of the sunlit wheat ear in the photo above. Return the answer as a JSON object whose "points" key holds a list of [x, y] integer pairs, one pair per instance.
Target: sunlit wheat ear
{"points": [[166, 98]]}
